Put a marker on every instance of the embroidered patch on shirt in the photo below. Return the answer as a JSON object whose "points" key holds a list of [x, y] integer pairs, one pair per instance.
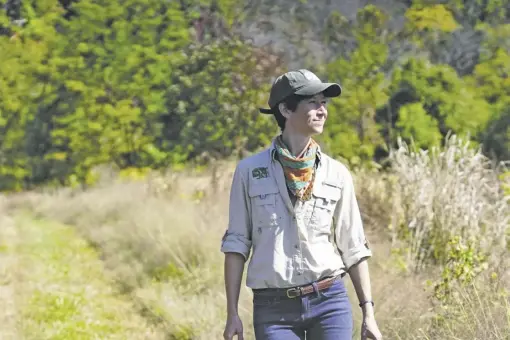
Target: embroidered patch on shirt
{"points": [[259, 173]]}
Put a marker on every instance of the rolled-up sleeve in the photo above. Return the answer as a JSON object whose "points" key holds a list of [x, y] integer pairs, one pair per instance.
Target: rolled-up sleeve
{"points": [[237, 237], [349, 233]]}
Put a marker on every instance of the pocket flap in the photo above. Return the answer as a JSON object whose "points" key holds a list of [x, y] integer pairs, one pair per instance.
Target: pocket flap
{"points": [[332, 183], [265, 199], [328, 190], [261, 190]]}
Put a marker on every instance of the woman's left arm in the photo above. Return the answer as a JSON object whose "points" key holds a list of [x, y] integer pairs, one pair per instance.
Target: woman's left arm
{"points": [[353, 246], [360, 278]]}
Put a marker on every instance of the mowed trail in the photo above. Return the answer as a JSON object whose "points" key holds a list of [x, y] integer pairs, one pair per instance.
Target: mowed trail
{"points": [[53, 286]]}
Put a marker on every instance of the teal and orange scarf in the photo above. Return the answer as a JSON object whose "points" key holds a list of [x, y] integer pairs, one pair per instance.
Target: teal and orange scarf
{"points": [[299, 171]]}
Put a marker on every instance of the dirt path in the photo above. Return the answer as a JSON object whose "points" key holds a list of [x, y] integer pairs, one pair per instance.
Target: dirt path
{"points": [[53, 286]]}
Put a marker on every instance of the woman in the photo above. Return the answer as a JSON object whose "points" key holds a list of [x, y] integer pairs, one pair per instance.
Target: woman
{"points": [[294, 208]]}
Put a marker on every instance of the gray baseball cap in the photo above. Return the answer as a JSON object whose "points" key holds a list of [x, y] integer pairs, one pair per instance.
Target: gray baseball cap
{"points": [[301, 82]]}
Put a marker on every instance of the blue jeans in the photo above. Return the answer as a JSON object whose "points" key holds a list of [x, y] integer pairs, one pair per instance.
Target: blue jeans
{"points": [[324, 315]]}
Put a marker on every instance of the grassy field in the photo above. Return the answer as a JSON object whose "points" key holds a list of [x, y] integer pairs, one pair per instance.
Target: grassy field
{"points": [[9, 277], [53, 286], [158, 239]]}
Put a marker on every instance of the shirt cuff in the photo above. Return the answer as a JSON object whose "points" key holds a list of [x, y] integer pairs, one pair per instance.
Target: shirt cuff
{"points": [[355, 255], [236, 243]]}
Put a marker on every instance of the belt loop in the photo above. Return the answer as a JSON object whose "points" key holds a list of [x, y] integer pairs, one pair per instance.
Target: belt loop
{"points": [[316, 289]]}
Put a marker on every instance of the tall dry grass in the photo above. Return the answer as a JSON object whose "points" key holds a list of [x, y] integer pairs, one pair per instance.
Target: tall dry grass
{"points": [[160, 239], [447, 192]]}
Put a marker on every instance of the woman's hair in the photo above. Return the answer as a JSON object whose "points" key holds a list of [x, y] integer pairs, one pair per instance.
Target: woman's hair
{"points": [[291, 103]]}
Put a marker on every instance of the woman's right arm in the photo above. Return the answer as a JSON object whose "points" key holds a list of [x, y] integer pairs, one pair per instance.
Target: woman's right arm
{"points": [[234, 267], [236, 245]]}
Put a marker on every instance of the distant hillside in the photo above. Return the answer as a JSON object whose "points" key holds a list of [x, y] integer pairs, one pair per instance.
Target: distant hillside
{"points": [[298, 28]]}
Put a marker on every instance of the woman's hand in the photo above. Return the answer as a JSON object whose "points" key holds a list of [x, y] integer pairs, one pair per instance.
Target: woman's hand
{"points": [[369, 329]]}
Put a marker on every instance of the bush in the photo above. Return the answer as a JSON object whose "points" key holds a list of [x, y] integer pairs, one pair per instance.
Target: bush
{"points": [[445, 193]]}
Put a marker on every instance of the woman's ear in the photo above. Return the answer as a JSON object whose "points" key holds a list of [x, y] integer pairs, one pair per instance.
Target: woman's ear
{"points": [[283, 110]]}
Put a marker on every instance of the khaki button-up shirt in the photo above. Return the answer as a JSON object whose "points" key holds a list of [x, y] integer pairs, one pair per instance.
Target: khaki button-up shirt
{"points": [[293, 244]]}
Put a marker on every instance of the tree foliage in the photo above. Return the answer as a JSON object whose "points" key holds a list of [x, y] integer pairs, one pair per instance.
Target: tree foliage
{"points": [[158, 84], [353, 132]]}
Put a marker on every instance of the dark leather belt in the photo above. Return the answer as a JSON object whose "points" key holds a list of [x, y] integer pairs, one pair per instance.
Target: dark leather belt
{"points": [[304, 290], [294, 292]]}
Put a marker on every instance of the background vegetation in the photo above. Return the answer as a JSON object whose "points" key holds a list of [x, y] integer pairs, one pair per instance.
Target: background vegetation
{"points": [[159, 84], [109, 108]]}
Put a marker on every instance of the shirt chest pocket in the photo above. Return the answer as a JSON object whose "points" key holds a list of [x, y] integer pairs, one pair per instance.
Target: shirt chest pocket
{"points": [[265, 201], [325, 198]]}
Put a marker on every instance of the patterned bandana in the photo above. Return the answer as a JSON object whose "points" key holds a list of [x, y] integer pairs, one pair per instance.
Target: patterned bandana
{"points": [[299, 172]]}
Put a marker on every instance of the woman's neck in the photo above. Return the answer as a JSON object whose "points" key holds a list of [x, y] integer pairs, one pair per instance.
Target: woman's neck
{"points": [[296, 143]]}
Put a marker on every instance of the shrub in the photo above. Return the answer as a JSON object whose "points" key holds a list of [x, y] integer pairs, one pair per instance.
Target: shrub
{"points": [[446, 193]]}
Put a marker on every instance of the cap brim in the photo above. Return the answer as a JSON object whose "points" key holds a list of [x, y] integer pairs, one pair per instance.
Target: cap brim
{"points": [[266, 111], [329, 89]]}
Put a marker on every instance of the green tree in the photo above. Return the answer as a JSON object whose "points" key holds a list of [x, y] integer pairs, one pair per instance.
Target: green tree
{"points": [[221, 88], [416, 124], [490, 78], [14, 114], [472, 12], [435, 18], [111, 75], [24, 54], [352, 130], [429, 100]]}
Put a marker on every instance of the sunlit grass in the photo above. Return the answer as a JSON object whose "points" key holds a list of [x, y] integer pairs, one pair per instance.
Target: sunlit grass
{"points": [[63, 291]]}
